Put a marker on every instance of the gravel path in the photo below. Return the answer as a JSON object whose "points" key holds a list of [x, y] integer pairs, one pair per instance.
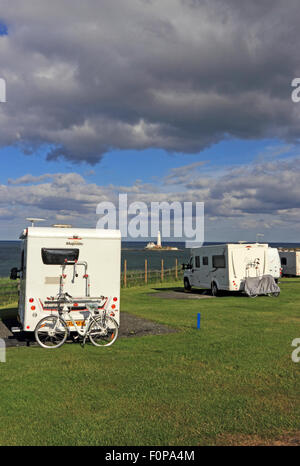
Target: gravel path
{"points": [[131, 326], [136, 326]]}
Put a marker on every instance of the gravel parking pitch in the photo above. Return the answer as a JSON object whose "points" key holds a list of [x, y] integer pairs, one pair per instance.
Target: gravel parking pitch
{"points": [[180, 293], [136, 326], [131, 326]]}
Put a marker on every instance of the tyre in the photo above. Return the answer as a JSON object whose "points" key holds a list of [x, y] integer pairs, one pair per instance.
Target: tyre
{"points": [[103, 333], [274, 295], [187, 285], [214, 289], [51, 332]]}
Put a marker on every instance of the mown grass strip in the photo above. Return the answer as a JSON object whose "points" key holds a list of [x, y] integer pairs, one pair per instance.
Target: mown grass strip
{"points": [[232, 379]]}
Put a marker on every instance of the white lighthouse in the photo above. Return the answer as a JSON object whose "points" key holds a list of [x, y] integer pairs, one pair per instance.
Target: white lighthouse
{"points": [[158, 240]]}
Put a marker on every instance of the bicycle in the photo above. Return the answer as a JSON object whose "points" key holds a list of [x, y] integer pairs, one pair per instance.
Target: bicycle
{"points": [[52, 331]]}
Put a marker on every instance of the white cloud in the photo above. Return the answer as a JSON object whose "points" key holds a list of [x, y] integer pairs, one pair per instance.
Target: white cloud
{"points": [[28, 179], [183, 174], [261, 196]]}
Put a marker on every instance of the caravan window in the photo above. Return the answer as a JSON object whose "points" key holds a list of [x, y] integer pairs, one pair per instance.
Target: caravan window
{"points": [[205, 261], [58, 256], [197, 261], [219, 262], [283, 261]]}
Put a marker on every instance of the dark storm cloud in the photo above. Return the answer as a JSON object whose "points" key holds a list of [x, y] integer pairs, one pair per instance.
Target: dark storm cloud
{"points": [[85, 77]]}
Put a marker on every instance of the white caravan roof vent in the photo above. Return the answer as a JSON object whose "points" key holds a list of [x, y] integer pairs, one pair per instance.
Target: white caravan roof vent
{"points": [[61, 225]]}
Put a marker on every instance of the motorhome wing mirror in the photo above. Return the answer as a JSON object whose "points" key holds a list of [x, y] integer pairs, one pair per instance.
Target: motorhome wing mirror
{"points": [[186, 266], [14, 273]]}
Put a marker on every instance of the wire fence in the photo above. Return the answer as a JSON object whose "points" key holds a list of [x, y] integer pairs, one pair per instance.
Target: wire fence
{"points": [[129, 278], [148, 276]]}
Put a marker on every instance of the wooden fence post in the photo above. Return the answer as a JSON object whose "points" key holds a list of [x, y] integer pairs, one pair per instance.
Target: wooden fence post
{"points": [[176, 268], [162, 270], [125, 273], [146, 266]]}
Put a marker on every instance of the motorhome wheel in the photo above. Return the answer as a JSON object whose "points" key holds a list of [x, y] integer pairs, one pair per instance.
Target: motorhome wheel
{"points": [[214, 289], [187, 285]]}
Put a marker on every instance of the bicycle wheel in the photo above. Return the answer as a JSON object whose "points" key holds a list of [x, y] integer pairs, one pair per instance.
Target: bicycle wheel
{"points": [[51, 332], [103, 333]]}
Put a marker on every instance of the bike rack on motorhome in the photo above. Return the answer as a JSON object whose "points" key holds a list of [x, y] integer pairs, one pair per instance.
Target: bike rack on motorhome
{"points": [[83, 263]]}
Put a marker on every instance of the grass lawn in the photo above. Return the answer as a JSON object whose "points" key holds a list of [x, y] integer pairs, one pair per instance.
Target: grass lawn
{"points": [[232, 382]]}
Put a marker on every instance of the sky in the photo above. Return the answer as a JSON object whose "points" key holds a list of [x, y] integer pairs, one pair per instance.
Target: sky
{"points": [[180, 100]]}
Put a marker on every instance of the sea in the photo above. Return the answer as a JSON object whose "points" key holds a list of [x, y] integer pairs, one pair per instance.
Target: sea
{"points": [[134, 253]]}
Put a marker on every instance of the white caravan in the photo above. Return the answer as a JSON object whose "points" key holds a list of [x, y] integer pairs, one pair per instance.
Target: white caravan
{"points": [[290, 263], [226, 266], [274, 263], [84, 263]]}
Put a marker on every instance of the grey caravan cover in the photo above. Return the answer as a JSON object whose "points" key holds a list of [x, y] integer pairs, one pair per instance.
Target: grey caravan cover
{"points": [[261, 285]]}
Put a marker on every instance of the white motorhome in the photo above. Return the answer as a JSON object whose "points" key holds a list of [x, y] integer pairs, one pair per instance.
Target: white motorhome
{"points": [[83, 262], [290, 263], [226, 266], [274, 263]]}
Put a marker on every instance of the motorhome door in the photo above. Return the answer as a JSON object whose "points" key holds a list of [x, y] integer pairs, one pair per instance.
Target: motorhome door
{"points": [[196, 271], [218, 272]]}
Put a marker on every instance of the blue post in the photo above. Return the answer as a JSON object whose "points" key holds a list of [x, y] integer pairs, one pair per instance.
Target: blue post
{"points": [[198, 320]]}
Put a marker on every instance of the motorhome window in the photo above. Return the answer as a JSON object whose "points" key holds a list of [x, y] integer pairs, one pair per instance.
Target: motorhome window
{"points": [[58, 256], [205, 261], [283, 261], [219, 262], [197, 261]]}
